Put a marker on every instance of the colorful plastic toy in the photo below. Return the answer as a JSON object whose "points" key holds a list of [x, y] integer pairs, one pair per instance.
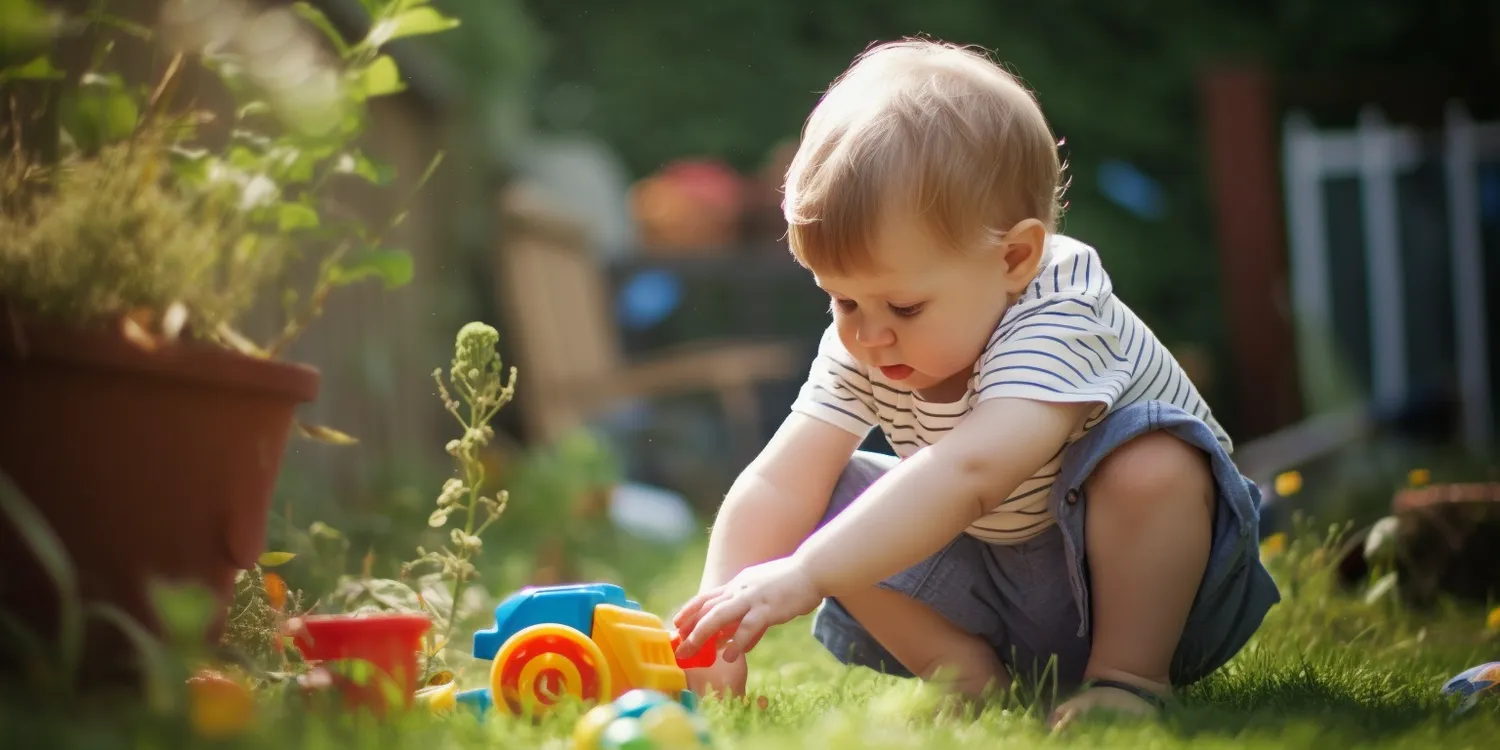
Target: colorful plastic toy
{"points": [[587, 641], [1474, 684], [641, 720], [389, 643]]}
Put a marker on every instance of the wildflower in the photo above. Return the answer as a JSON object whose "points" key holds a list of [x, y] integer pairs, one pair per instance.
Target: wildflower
{"points": [[453, 491], [475, 353], [220, 706], [1288, 483], [1380, 544], [1418, 477], [1492, 622], [275, 590]]}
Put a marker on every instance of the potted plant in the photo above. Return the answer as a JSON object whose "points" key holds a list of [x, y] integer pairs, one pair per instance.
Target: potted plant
{"points": [[138, 230]]}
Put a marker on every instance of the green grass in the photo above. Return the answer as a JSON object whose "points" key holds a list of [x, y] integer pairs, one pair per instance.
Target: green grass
{"points": [[1326, 671]]}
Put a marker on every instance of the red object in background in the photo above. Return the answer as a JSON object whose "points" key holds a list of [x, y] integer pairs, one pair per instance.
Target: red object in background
{"points": [[390, 643], [689, 206], [705, 657], [1240, 121], [710, 184]]}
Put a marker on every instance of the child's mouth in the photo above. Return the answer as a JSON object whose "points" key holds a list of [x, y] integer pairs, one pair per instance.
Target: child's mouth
{"points": [[896, 372]]}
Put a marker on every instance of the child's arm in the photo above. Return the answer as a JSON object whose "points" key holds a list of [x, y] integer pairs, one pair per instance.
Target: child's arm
{"points": [[779, 498], [905, 516], [932, 497]]}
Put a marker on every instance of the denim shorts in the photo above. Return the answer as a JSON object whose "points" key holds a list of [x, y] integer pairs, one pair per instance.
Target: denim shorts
{"points": [[1030, 601]]}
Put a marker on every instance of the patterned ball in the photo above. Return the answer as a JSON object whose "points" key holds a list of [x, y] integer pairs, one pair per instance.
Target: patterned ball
{"points": [[641, 720]]}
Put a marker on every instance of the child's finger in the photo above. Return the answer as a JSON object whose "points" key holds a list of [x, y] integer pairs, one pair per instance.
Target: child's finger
{"points": [[718, 617], [752, 627], [689, 619], [694, 606]]}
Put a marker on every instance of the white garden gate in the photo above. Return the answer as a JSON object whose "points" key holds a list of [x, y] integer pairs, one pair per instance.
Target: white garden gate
{"points": [[1390, 263]]}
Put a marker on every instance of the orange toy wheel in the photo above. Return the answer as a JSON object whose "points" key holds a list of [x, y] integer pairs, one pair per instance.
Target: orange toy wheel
{"points": [[540, 665]]}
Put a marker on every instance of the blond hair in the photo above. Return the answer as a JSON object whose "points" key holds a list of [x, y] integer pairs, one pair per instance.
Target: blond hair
{"points": [[925, 126]]}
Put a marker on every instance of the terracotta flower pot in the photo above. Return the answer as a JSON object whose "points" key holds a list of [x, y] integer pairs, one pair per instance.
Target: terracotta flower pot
{"points": [[1443, 543], [147, 465], [389, 643]]}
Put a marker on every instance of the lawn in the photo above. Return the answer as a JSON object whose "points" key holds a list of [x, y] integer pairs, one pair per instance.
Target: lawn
{"points": [[1326, 671]]}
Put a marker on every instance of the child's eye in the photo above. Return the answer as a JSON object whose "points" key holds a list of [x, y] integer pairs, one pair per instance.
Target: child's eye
{"points": [[907, 311], [845, 305]]}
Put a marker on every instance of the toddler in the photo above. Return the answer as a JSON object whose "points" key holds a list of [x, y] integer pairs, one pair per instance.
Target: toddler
{"points": [[1063, 511]]}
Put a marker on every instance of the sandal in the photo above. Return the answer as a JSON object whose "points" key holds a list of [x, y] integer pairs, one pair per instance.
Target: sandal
{"points": [[1156, 701]]}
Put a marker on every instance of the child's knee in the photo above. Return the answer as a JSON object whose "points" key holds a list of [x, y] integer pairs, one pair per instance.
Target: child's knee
{"points": [[923, 641], [1151, 472]]}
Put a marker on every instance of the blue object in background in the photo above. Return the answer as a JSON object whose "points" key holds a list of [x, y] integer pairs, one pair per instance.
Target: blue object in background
{"points": [[1132, 189], [1489, 192], [648, 298]]}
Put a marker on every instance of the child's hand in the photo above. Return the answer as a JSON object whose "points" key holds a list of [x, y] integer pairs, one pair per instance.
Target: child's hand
{"points": [[726, 678], [759, 597]]}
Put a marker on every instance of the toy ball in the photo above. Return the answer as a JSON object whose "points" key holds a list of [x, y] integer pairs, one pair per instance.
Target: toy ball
{"points": [[1474, 684], [641, 720]]}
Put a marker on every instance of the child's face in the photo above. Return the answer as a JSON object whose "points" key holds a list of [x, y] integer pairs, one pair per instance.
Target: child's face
{"points": [[926, 314]]}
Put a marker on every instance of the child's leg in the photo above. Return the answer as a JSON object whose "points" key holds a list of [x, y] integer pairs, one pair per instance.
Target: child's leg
{"points": [[1172, 581], [1151, 577], [933, 620], [926, 643], [1150, 522]]}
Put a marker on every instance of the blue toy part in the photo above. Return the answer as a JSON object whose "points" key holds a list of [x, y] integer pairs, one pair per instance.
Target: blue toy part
{"points": [[1482, 678], [571, 605], [478, 699], [1474, 684]]}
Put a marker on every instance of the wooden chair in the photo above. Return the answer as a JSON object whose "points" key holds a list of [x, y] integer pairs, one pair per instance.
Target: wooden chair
{"points": [[557, 302]]}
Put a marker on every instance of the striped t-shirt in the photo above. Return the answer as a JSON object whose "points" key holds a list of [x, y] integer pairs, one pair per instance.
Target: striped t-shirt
{"points": [[1068, 338]]}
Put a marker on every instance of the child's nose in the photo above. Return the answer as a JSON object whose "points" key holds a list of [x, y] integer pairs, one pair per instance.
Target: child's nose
{"points": [[871, 334]]}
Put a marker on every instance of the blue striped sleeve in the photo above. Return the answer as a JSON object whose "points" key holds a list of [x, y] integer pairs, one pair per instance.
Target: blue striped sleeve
{"points": [[837, 389], [1059, 350]]}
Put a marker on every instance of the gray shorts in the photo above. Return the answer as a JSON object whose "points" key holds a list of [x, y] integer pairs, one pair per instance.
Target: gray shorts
{"points": [[1031, 600]]}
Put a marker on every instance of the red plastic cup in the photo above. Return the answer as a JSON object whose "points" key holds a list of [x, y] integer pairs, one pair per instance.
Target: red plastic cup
{"points": [[389, 643]]}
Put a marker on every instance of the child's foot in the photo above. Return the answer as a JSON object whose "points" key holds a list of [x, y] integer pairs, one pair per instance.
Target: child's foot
{"points": [[1108, 695]]}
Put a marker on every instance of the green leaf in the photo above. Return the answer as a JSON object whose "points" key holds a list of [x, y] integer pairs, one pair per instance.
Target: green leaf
{"points": [[273, 559], [40, 69], [184, 611], [316, 18], [324, 434], [98, 112], [26, 29], [393, 266], [293, 216], [252, 108], [416, 22], [359, 595], [190, 165], [155, 662], [358, 164], [381, 78], [37, 534]]}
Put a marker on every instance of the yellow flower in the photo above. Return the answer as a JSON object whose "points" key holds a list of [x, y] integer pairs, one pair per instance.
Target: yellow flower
{"points": [[1418, 477], [221, 707], [1274, 545], [1493, 621], [1288, 483]]}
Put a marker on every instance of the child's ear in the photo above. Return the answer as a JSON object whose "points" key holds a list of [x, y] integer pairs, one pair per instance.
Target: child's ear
{"points": [[1022, 251]]}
